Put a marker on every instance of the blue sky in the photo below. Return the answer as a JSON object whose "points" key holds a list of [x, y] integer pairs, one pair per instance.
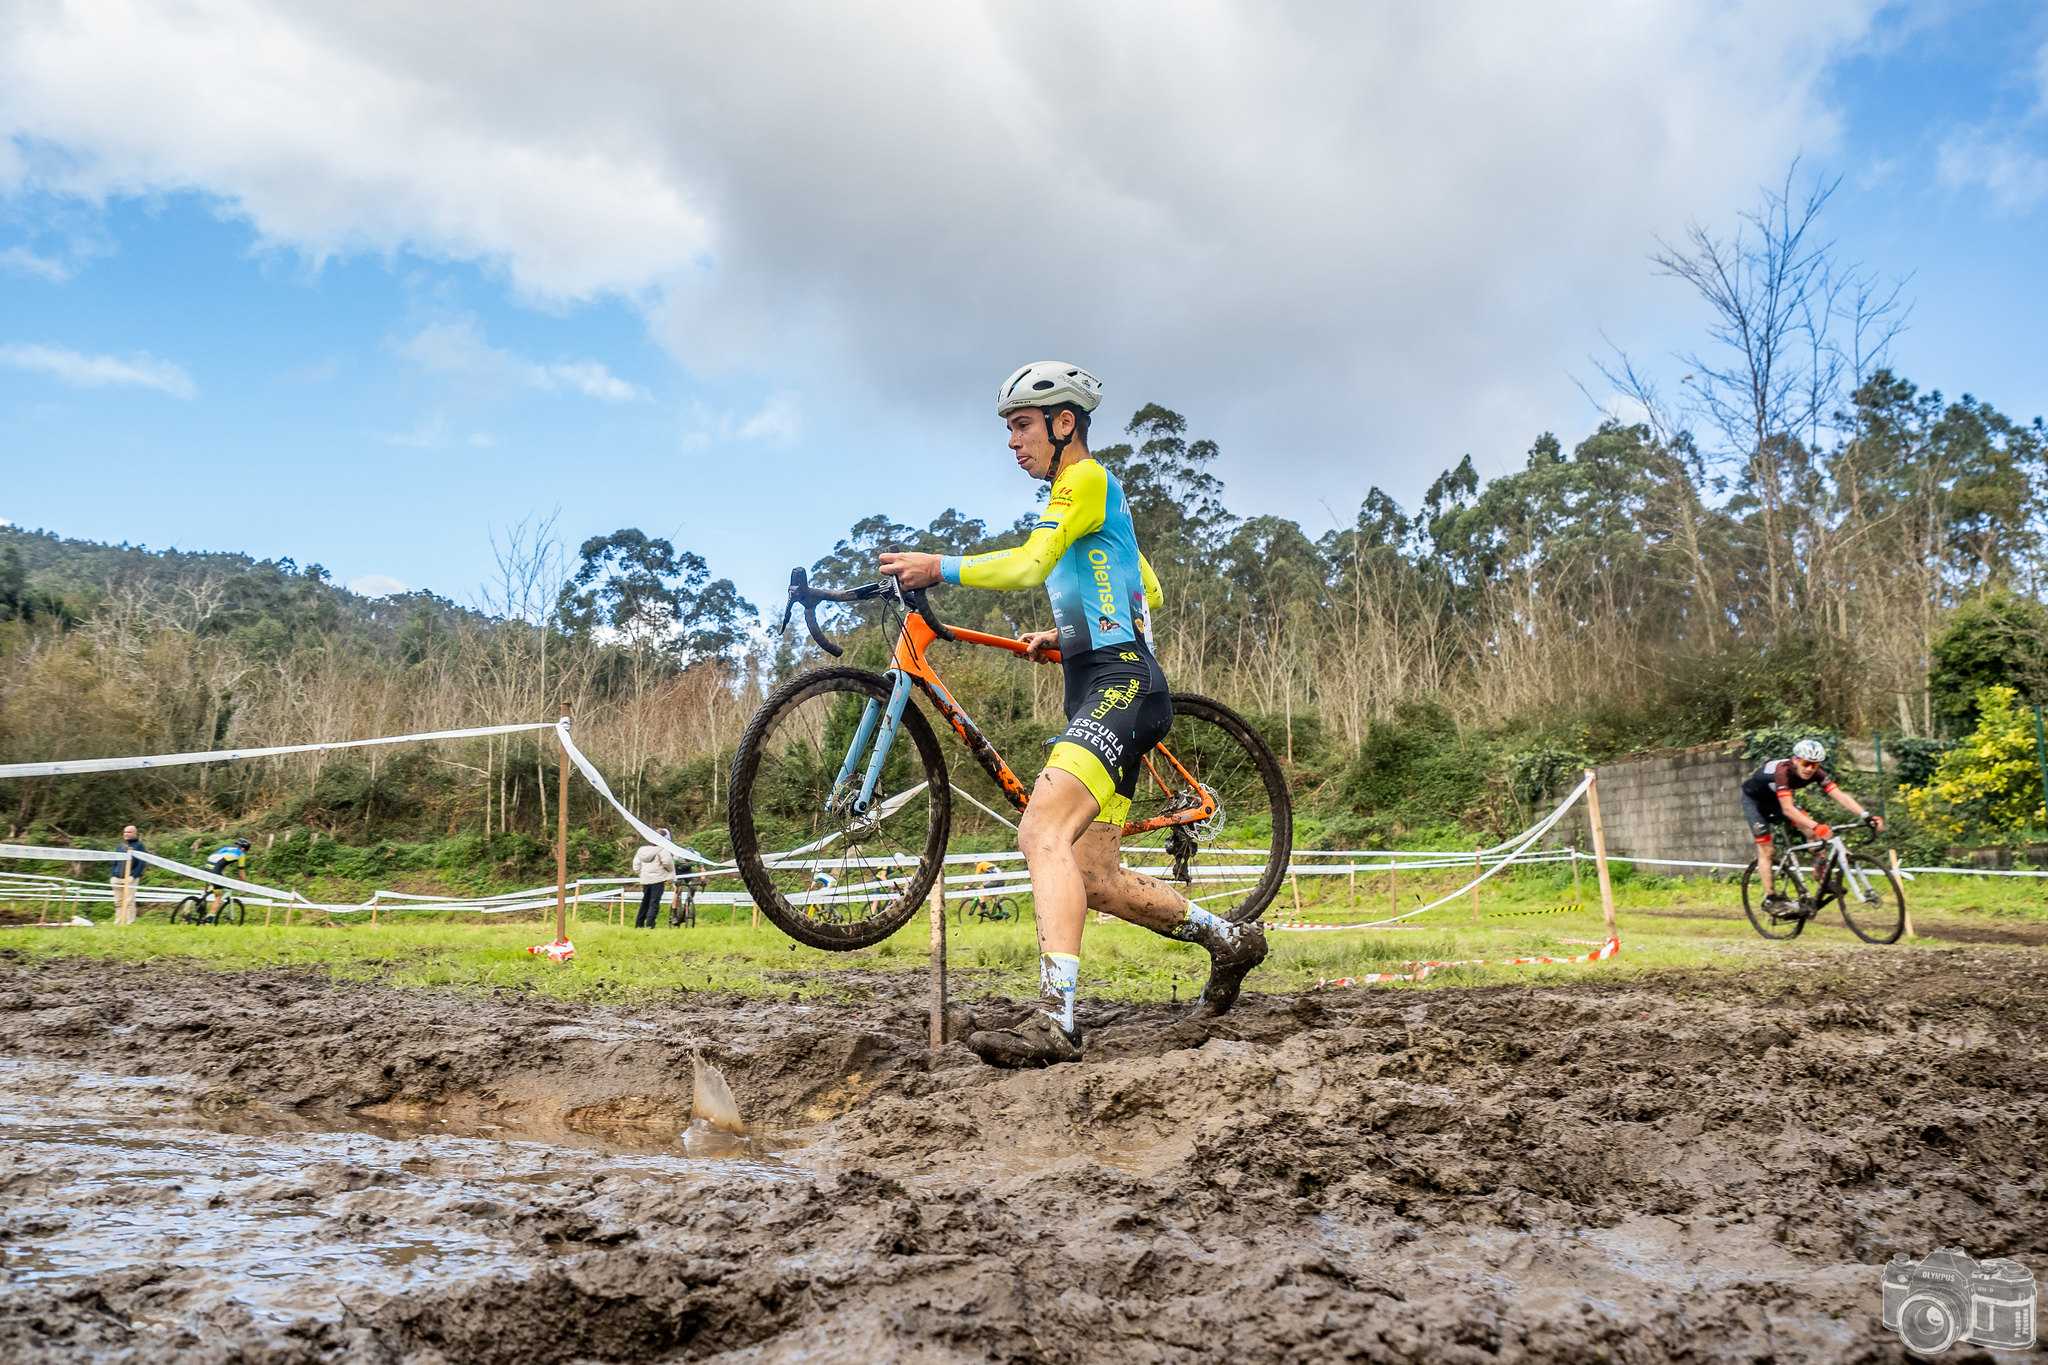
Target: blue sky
{"points": [[350, 290]]}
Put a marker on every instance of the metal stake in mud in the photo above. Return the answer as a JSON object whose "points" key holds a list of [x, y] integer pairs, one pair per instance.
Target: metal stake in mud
{"points": [[936, 904], [562, 840]]}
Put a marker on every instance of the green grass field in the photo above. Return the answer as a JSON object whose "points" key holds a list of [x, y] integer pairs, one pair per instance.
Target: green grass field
{"points": [[1523, 914]]}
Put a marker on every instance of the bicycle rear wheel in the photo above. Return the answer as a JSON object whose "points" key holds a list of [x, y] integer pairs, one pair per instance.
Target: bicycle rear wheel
{"points": [[1882, 917], [190, 910], [1232, 863], [1763, 920], [826, 876]]}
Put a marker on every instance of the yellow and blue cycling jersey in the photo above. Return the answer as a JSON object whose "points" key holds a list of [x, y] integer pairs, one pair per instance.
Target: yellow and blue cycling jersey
{"points": [[1085, 551], [225, 857]]}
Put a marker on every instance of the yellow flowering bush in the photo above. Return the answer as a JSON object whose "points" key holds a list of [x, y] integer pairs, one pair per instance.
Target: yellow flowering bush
{"points": [[1989, 785]]}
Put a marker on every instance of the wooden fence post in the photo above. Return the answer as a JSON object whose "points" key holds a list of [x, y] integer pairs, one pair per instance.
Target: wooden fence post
{"points": [[1600, 851]]}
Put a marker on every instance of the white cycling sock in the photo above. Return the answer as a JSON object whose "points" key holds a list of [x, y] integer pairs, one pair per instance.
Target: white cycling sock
{"points": [[1199, 926], [1059, 981]]}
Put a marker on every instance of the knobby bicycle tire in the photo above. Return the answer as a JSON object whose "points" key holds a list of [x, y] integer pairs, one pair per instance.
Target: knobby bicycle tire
{"points": [[745, 829], [190, 910], [231, 904], [1878, 923], [1267, 765], [1762, 920]]}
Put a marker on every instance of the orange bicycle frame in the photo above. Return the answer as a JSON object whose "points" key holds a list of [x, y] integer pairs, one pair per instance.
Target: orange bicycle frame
{"points": [[909, 658]]}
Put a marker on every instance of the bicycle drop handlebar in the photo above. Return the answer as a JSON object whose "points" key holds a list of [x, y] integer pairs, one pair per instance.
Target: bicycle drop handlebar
{"points": [[801, 592]]}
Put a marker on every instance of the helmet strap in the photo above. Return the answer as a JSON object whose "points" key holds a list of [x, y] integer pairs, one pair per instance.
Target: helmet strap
{"points": [[1059, 443]]}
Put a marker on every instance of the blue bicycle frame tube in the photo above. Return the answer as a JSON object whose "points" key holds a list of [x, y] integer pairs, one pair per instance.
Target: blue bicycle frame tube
{"points": [[899, 697], [861, 735]]}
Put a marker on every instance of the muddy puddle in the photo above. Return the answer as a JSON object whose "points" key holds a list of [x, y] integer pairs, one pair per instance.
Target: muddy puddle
{"points": [[289, 1214], [1701, 1167]]}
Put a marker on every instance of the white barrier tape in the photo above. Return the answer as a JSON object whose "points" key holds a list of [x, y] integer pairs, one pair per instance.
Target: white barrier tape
{"points": [[1423, 969], [1973, 872], [995, 815], [596, 779], [111, 765], [94, 855], [1529, 837]]}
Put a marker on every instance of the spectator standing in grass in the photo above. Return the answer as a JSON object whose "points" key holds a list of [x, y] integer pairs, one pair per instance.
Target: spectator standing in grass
{"points": [[655, 868], [127, 874]]}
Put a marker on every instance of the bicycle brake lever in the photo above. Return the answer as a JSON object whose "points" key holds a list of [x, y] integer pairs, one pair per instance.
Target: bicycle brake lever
{"points": [[800, 591], [796, 587]]}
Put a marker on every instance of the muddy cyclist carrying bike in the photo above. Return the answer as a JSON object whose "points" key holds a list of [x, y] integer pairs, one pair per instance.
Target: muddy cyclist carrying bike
{"points": [[1084, 550]]}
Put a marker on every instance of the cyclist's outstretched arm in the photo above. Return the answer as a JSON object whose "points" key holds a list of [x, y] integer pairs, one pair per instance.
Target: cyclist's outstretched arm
{"points": [[1794, 816], [1077, 506]]}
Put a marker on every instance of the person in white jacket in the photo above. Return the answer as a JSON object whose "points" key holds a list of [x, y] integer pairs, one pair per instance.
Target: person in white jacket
{"points": [[656, 868]]}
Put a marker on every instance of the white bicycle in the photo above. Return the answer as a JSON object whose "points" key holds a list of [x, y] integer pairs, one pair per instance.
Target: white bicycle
{"points": [[1873, 902]]}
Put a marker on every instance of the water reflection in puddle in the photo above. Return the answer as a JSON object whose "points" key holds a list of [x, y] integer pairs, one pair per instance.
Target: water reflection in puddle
{"points": [[286, 1213]]}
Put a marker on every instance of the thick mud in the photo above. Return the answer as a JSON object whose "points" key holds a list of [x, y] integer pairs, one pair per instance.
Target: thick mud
{"points": [[1689, 1166]]}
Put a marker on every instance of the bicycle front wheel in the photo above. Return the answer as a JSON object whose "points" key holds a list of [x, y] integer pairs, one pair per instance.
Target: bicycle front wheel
{"points": [[1760, 916], [1231, 863], [826, 875], [1877, 912], [232, 911]]}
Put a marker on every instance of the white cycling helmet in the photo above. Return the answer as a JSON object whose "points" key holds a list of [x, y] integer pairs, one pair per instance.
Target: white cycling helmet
{"points": [[1046, 384], [1812, 750]]}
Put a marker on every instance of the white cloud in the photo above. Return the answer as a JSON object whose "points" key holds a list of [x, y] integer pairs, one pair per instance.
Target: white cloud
{"points": [[376, 585], [434, 432], [1278, 217], [777, 422], [99, 371], [2012, 174], [459, 348], [21, 261], [5, 522]]}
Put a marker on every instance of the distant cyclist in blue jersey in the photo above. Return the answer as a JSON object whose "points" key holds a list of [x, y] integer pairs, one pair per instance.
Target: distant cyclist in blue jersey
{"points": [[1084, 550], [226, 861]]}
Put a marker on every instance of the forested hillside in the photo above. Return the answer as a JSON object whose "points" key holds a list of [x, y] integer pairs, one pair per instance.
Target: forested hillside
{"points": [[1804, 539]]}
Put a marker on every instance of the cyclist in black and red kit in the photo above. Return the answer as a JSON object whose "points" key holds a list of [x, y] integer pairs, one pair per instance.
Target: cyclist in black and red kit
{"points": [[1767, 801]]}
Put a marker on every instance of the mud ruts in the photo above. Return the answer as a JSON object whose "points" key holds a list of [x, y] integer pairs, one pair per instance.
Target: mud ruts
{"points": [[1699, 1166]]}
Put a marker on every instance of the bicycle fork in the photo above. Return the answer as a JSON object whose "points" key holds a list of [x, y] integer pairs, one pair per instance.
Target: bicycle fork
{"points": [[888, 718]]}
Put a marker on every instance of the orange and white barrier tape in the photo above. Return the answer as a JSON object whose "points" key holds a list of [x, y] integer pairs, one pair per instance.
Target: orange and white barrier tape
{"points": [[1423, 969]]}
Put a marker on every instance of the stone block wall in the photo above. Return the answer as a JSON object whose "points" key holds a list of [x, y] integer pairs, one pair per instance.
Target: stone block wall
{"points": [[1681, 805]]}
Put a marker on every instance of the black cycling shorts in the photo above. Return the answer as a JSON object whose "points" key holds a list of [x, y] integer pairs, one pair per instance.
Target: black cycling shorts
{"points": [[1118, 708], [1762, 818]]}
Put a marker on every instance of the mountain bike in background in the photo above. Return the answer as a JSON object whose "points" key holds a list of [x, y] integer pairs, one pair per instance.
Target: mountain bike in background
{"points": [[198, 909], [1872, 899]]}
